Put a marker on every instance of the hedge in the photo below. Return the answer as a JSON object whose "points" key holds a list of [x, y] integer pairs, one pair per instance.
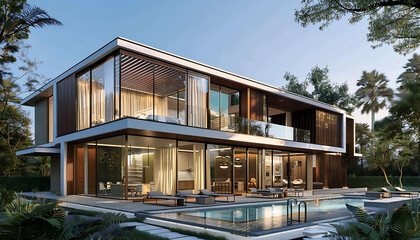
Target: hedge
{"points": [[25, 183], [379, 181]]}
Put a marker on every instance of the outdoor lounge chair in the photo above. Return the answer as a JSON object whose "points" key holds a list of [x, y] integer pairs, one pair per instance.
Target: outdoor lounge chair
{"points": [[157, 195], [215, 195], [254, 191], [279, 191], [403, 190], [401, 193], [199, 198]]}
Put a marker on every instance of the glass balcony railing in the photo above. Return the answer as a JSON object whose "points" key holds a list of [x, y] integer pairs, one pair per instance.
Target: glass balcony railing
{"points": [[231, 123]]}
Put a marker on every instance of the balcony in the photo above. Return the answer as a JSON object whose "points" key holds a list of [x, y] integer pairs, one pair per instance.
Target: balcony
{"points": [[232, 123]]}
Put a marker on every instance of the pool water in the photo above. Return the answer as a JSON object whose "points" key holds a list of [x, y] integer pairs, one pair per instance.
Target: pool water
{"points": [[264, 216]]}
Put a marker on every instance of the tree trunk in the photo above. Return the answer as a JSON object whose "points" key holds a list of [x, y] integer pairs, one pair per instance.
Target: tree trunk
{"points": [[401, 174], [372, 127], [386, 177]]}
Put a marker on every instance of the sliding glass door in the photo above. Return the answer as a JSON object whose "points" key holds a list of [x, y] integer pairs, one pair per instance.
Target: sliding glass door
{"points": [[220, 159], [239, 169], [191, 166]]}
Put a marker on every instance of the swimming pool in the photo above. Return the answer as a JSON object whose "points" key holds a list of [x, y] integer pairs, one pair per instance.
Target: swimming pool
{"points": [[257, 218]]}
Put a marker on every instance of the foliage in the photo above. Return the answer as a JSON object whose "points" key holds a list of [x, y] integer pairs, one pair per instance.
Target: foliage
{"points": [[391, 22], [324, 89], [403, 223], [38, 166], [373, 93], [6, 197], [19, 205], [375, 182], [25, 183], [202, 235], [405, 148], [379, 154]]}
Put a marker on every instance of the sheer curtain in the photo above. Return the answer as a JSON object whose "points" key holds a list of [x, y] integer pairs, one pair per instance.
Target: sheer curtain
{"points": [[198, 155], [83, 109], [136, 104], [198, 89], [165, 166]]}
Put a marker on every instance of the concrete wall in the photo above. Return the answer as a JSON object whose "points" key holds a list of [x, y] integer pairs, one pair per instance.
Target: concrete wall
{"points": [[41, 122], [55, 173]]}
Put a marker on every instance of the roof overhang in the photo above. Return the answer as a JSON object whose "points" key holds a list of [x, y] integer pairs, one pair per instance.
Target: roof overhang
{"points": [[123, 43], [38, 151]]}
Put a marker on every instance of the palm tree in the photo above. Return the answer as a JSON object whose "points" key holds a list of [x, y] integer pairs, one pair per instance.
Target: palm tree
{"points": [[373, 93]]}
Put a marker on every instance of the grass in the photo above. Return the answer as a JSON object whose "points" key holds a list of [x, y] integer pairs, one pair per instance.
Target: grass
{"points": [[203, 235], [133, 234]]}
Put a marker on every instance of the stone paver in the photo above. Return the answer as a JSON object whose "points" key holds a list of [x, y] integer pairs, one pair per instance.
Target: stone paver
{"points": [[130, 224], [147, 228], [171, 235], [158, 231]]}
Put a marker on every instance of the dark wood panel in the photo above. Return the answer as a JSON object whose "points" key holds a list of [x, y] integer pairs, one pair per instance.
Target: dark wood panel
{"points": [[80, 169], [244, 98], [257, 105], [328, 128], [66, 106], [305, 119], [91, 169], [331, 170], [350, 137], [70, 169]]}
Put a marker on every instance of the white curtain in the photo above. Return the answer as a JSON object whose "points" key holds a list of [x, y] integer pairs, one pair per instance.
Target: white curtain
{"points": [[83, 91], [197, 101], [140, 105], [165, 166], [198, 156]]}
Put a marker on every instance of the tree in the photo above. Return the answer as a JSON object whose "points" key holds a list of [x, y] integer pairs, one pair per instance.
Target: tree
{"points": [[373, 93], [406, 109], [16, 20], [363, 136], [391, 22], [324, 89], [379, 154], [405, 152]]}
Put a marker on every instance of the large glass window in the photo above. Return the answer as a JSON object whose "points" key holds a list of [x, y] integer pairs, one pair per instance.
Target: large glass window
{"points": [[198, 88], [239, 169], [151, 165], [136, 88], [224, 108], [220, 158], [191, 166], [298, 170], [268, 170], [50, 119], [83, 101], [110, 165], [170, 102], [214, 106], [254, 168], [280, 162], [103, 92]]}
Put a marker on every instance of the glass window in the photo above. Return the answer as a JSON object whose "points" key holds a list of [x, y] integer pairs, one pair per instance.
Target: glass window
{"points": [[298, 170], [214, 106], [103, 92], [170, 101], [117, 87], [268, 171], [191, 166], [220, 158], [198, 88], [151, 165], [110, 165], [136, 88], [254, 170], [83, 101], [239, 169], [229, 108], [280, 160]]}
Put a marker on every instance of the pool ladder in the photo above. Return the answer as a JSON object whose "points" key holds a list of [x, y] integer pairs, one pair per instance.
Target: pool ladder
{"points": [[293, 201]]}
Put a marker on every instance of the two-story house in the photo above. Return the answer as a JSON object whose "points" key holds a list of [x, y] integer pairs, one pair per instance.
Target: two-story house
{"points": [[130, 115]]}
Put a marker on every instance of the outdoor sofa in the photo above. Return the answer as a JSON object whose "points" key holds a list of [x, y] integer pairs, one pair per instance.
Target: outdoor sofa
{"points": [[215, 195], [264, 193], [157, 195]]}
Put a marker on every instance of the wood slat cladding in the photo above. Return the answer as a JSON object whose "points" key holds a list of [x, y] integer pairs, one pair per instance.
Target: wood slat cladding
{"points": [[257, 105], [66, 106], [305, 119], [244, 98], [70, 169], [331, 170], [328, 128], [350, 137]]}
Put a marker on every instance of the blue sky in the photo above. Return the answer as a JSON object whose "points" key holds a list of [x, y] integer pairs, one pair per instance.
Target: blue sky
{"points": [[256, 39]]}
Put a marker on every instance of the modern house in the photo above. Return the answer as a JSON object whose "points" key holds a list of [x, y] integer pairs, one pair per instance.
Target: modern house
{"points": [[131, 115]]}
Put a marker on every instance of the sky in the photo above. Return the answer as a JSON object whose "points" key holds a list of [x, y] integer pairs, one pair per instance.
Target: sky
{"points": [[255, 39]]}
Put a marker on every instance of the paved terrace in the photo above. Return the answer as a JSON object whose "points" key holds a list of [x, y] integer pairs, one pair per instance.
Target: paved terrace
{"points": [[133, 206]]}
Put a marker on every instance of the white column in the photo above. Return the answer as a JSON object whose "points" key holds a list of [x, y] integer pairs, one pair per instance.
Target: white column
{"points": [[310, 163], [343, 130], [86, 167], [63, 168]]}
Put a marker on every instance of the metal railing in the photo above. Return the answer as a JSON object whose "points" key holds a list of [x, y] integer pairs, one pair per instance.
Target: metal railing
{"points": [[289, 205]]}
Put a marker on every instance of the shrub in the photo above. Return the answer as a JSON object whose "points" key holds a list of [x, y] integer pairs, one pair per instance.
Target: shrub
{"points": [[25, 183]]}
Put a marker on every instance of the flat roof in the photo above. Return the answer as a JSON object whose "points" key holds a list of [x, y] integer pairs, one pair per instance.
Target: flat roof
{"points": [[123, 43]]}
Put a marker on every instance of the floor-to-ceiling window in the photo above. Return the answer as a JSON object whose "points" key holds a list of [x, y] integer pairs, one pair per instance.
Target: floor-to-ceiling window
{"points": [[220, 161], [239, 169], [254, 168], [268, 169], [170, 102], [280, 175], [191, 166], [103, 84], [297, 170], [110, 167], [224, 108], [151, 165], [83, 101]]}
